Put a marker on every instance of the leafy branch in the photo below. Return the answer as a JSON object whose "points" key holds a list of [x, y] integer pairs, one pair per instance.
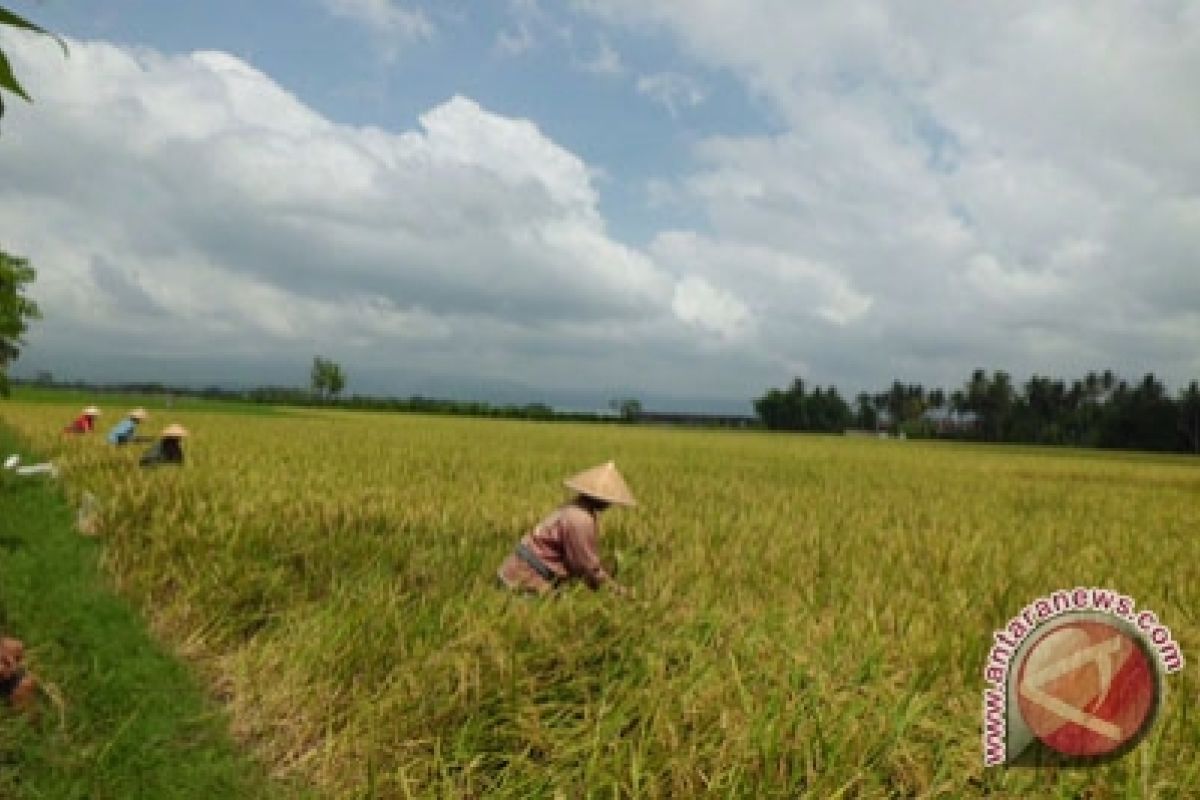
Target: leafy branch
{"points": [[8, 79]]}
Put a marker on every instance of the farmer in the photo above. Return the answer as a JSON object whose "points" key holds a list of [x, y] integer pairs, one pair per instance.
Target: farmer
{"points": [[18, 688], [123, 432], [563, 545], [168, 449], [85, 422]]}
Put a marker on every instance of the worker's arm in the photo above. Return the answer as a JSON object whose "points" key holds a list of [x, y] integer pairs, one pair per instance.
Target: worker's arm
{"points": [[582, 558]]}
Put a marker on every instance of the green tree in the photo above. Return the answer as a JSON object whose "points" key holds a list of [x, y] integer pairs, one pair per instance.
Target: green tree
{"points": [[865, 413], [628, 407], [337, 379], [327, 377], [1189, 416], [797, 410], [15, 310], [8, 79]]}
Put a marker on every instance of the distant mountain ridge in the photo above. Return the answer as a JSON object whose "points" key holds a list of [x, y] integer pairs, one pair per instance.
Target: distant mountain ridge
{"points": [[400, 384]]}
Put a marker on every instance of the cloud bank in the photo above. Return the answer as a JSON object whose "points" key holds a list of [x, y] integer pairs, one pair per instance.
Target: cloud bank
{"points": [[933, 187], [985, 184], [178, 206]]}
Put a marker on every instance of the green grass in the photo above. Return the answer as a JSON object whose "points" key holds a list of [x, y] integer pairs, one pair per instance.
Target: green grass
{"points": [[130, 720], [117, 403]]}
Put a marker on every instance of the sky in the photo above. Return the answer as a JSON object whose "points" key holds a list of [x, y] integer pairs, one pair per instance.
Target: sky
{"points": [[526, 200]]}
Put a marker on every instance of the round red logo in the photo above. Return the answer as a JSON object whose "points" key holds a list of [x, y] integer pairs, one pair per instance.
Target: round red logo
{"points": [[1088, 688]]}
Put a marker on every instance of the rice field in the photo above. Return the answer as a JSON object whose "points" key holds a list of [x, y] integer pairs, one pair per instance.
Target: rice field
{"points": [[812, 613]]}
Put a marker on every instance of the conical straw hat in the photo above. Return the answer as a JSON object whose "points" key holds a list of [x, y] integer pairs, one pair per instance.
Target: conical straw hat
{"points": [[603, 483], [174, 431], [91, 411], [138, 414]]}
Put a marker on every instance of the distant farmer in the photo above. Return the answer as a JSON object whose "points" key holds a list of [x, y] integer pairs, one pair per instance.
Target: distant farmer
{"points": [[562, 547], [123, 432], [168, 449], [85, 422], [18, 689]]}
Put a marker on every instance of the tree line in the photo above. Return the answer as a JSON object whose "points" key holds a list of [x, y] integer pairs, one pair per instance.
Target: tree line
{"points": [[308, 398], [1099, 409]]}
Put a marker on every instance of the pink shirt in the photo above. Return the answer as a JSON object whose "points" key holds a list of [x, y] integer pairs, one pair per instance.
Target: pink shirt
{"points": [[566, 542]]}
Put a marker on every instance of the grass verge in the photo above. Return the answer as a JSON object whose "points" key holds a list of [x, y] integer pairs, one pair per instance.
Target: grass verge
{"points": [[131, 720], [116, 403]]}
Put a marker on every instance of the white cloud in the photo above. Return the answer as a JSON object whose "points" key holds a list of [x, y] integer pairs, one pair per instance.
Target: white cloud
{"points": [[779, 284], [938, 187], [514, 43], [181, 206], [606, 60], [697, 301], [672, 91], [991, 176], [395, 24], [531, 25]]}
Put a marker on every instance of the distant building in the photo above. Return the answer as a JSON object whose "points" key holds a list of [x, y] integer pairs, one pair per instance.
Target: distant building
{"points": [[945, 420]]}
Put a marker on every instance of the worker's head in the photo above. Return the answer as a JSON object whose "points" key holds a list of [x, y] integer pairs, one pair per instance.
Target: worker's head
{"points": [[174, 432], [600, 487], [138, 415], [592, 503], [91, 411]]}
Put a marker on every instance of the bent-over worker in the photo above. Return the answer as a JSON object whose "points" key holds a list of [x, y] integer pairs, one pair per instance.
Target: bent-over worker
{"points": [[168, 449], [563, 546], [85, 422], [123, 432]]}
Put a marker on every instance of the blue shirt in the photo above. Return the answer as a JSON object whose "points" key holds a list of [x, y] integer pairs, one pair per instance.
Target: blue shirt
{"points": [[123, 432]]}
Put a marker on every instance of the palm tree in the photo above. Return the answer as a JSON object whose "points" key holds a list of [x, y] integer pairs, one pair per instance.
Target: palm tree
{"points": [[1189, 415], [1108, 382]]}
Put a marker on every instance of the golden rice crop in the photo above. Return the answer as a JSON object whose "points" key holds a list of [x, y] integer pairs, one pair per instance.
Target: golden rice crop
{"points": [[812, 617]]}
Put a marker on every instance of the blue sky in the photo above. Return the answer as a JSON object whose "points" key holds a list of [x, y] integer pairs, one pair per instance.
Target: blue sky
{"points": [[688, 201]]}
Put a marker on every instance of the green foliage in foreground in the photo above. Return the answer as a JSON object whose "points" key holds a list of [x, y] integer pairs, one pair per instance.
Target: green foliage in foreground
{"points": [[8, 79], [132, 721]]}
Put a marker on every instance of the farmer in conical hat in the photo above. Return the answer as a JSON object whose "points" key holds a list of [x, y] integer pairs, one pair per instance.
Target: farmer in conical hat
{"points": [[168, 449], [562, 547], [85, 422], [123, 432]]}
